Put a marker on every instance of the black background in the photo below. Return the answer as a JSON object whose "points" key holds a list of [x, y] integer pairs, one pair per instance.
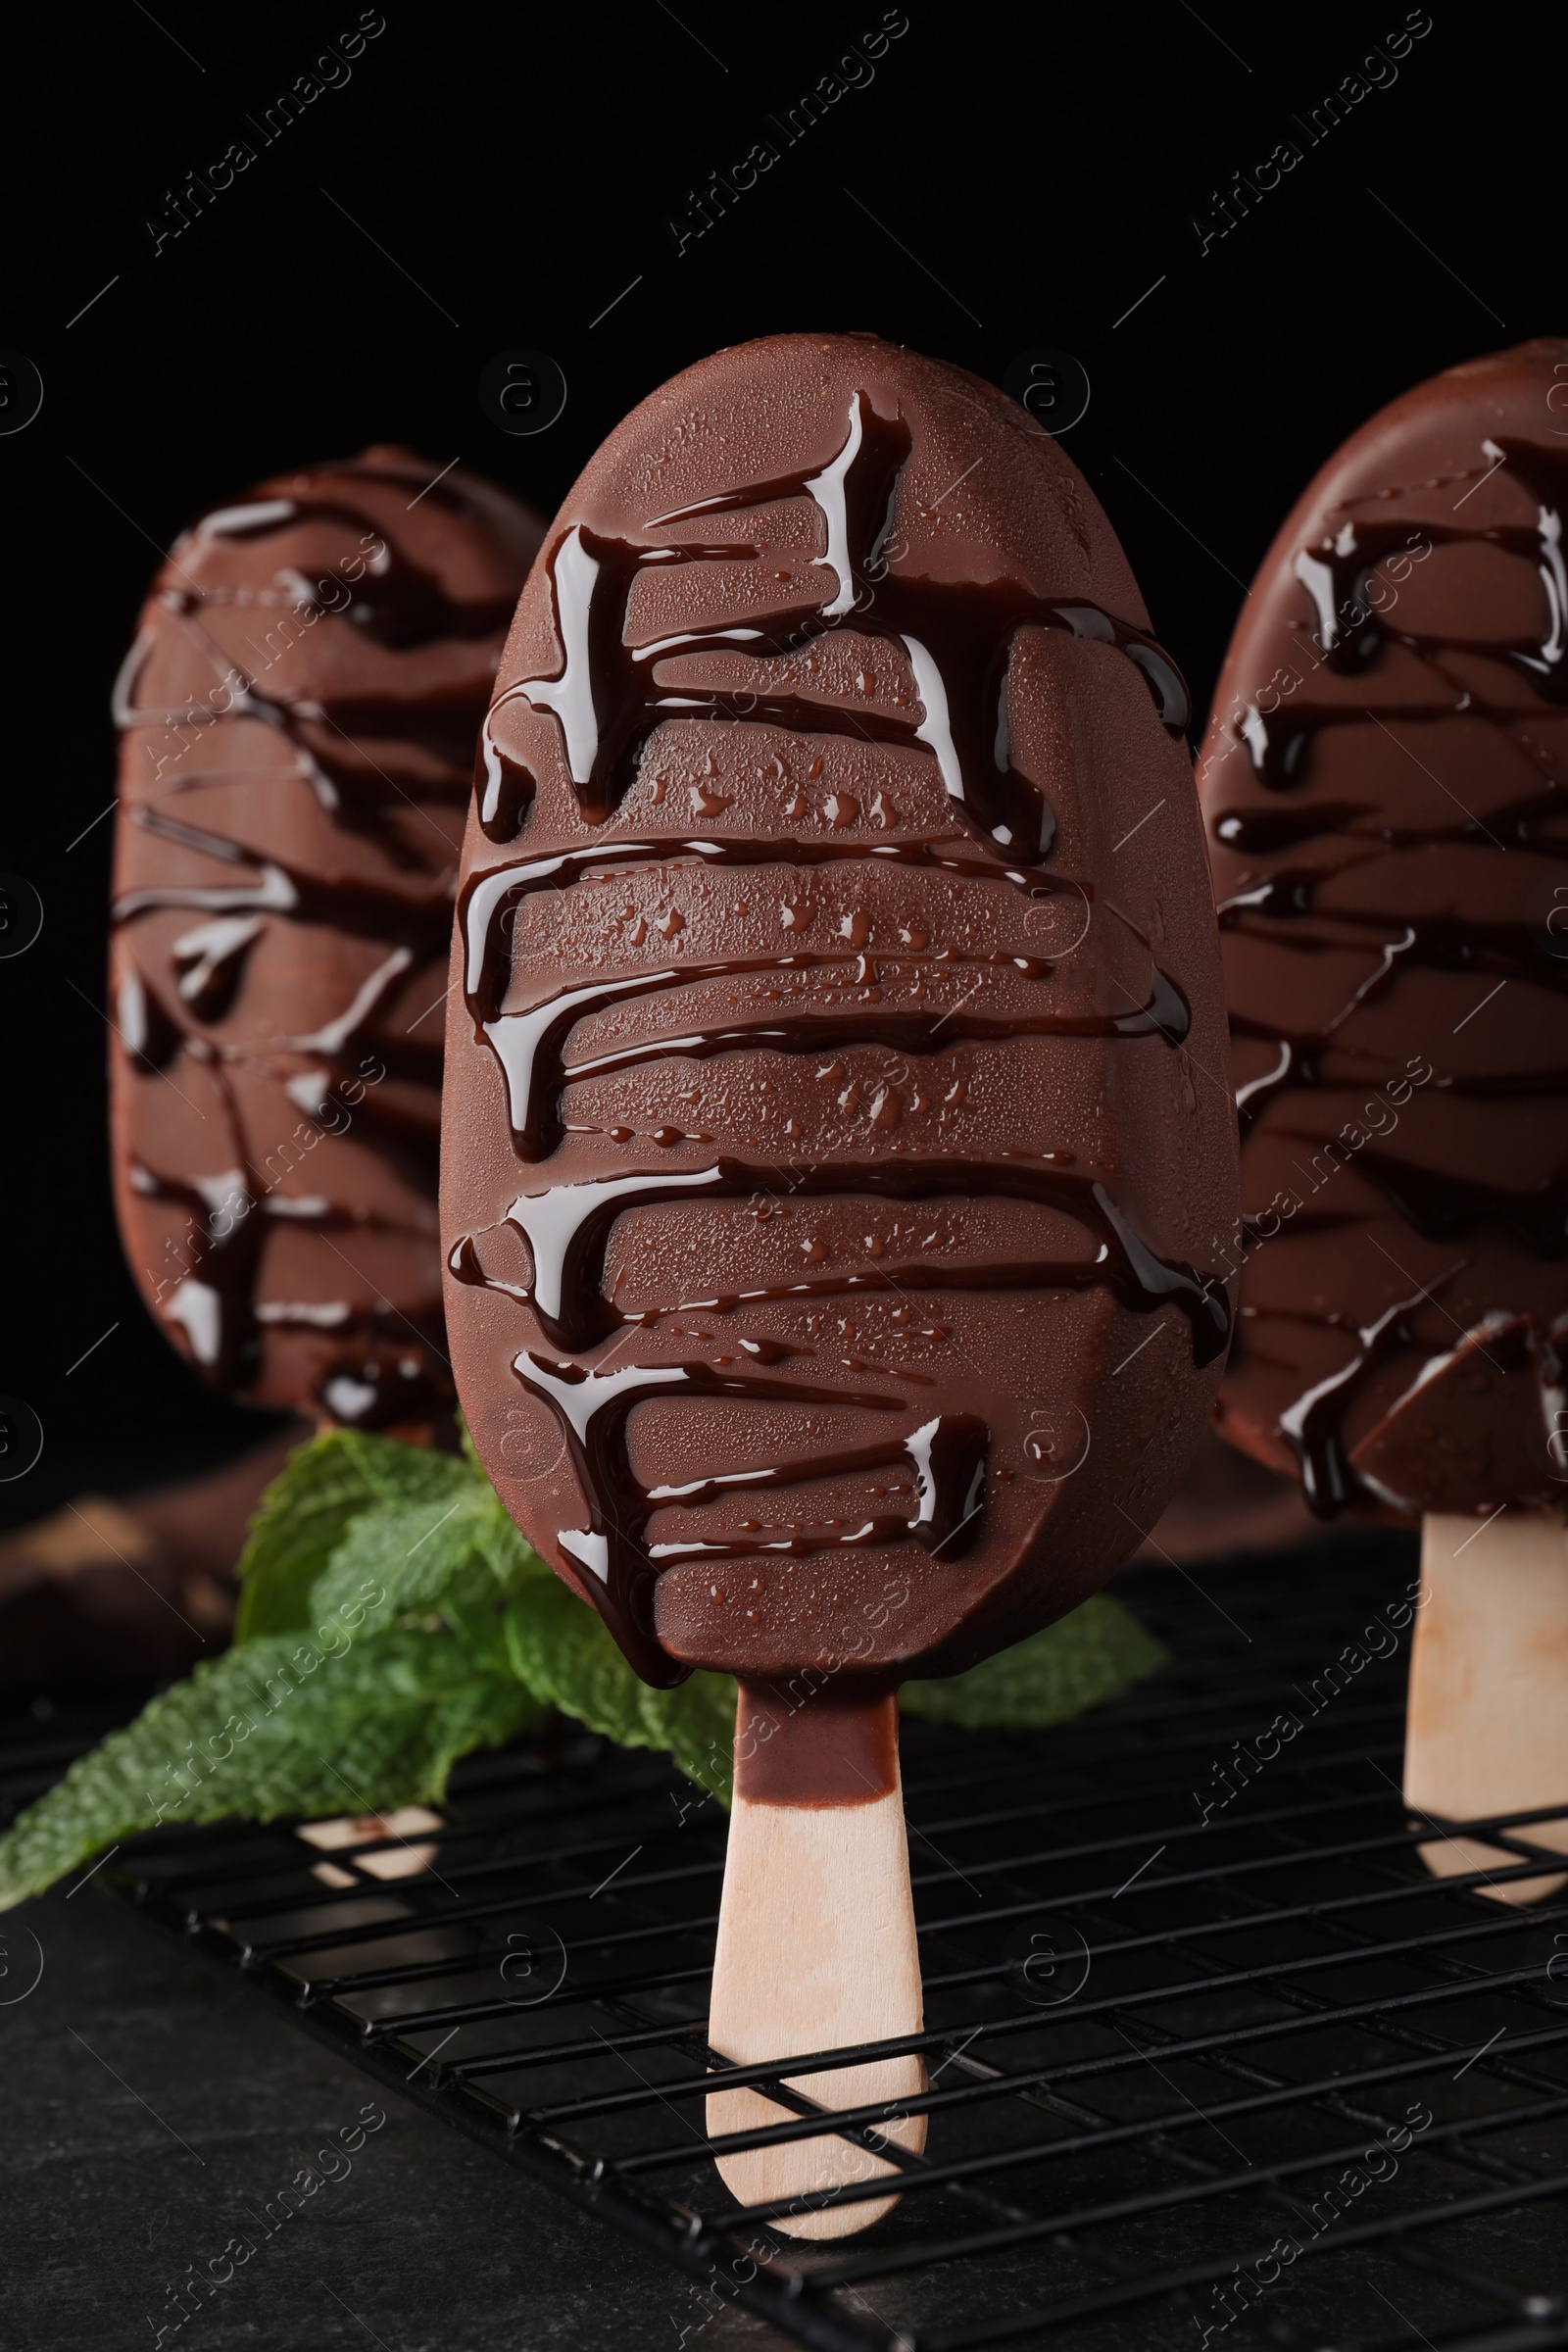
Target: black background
{"points": [[1031, 173]]}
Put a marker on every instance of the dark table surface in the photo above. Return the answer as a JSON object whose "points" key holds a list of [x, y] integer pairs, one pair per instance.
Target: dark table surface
{"points": [[153, 2109], [157, 2106]]}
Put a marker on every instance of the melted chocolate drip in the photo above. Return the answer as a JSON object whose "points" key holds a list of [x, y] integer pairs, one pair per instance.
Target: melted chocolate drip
{"points": [[1527, 823], [398, 603], [351, 903], [1260, 832], [1352, 634], [947, 1457], [530, 1046], [1352, 638], [609, 699], [567, 1227], [956, 637], [387, 1366], [213, 1301], [1442, 1207], [1355, 636], [490, 900], [1312, 1426], [1439, 942], [152, 1037]]}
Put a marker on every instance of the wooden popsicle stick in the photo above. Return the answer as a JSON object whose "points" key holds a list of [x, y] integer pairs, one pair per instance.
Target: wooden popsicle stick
{"points": [[1487, 1729], [817, 1946]]}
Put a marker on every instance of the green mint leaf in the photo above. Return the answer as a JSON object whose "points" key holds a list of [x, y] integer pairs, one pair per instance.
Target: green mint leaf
{"points": [[398, 1472], [511, 1558], [324, 1487], [478, 1618], [696, 1722], [1092, 1654], [335, 1702], [402, 1556], [274, 1728], [564, 1653], [456, 1560]]}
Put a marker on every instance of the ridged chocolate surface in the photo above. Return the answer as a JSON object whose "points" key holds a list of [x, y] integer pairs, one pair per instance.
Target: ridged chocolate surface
{"points": [[835, 1132], [1386, 785], [299, 713]]}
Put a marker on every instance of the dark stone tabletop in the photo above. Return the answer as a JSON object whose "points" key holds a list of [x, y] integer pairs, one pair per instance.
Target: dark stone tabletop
{"points": [[153, 2110]]}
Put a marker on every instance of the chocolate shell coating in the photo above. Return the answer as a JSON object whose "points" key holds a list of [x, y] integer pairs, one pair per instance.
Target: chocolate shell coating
{"points": [[835, 1139], [299, 712], [1386, 787]]}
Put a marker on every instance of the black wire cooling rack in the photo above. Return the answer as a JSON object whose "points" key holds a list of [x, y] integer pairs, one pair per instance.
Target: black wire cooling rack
{"points": [[1259, 2080]]}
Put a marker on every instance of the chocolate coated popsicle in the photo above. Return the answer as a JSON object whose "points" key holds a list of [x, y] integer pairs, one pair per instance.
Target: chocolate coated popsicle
{"points": [[835, 1124], [826, 1078], [298, 713], [1386, 783]]}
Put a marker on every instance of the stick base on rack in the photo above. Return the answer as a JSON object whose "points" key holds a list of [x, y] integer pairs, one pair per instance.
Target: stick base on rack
{"points": [[816, 1951], [1488, 1729]]}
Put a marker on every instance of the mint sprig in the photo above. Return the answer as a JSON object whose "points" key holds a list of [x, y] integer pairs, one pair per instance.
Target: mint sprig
{"points": [[325, 1487], [392, 1619], [1097, 1652], [367, 1727], [562, 1651]]}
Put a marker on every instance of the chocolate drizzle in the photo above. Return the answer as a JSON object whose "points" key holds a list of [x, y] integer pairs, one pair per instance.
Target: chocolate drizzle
{"points": [[1505, 684], [946, 1457], [954, 639], [349, 902], [1314, 1423], [378, 730], [530, 1046], [567, 1227], [1353, 631]]}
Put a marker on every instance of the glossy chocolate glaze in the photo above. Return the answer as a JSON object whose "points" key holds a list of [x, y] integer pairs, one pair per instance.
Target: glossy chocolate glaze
{"points": [[298, 716], [954, 635], [819, 767], [1386, 780]]}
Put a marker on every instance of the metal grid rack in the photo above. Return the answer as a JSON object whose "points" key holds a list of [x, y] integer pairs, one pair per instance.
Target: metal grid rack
{"points": [[1278, 2005]]}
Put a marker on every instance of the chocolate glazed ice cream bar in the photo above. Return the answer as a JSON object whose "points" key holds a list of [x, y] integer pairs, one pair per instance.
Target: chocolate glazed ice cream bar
{"points": [[298, 713], [835, 1117], [1386, 781]]}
